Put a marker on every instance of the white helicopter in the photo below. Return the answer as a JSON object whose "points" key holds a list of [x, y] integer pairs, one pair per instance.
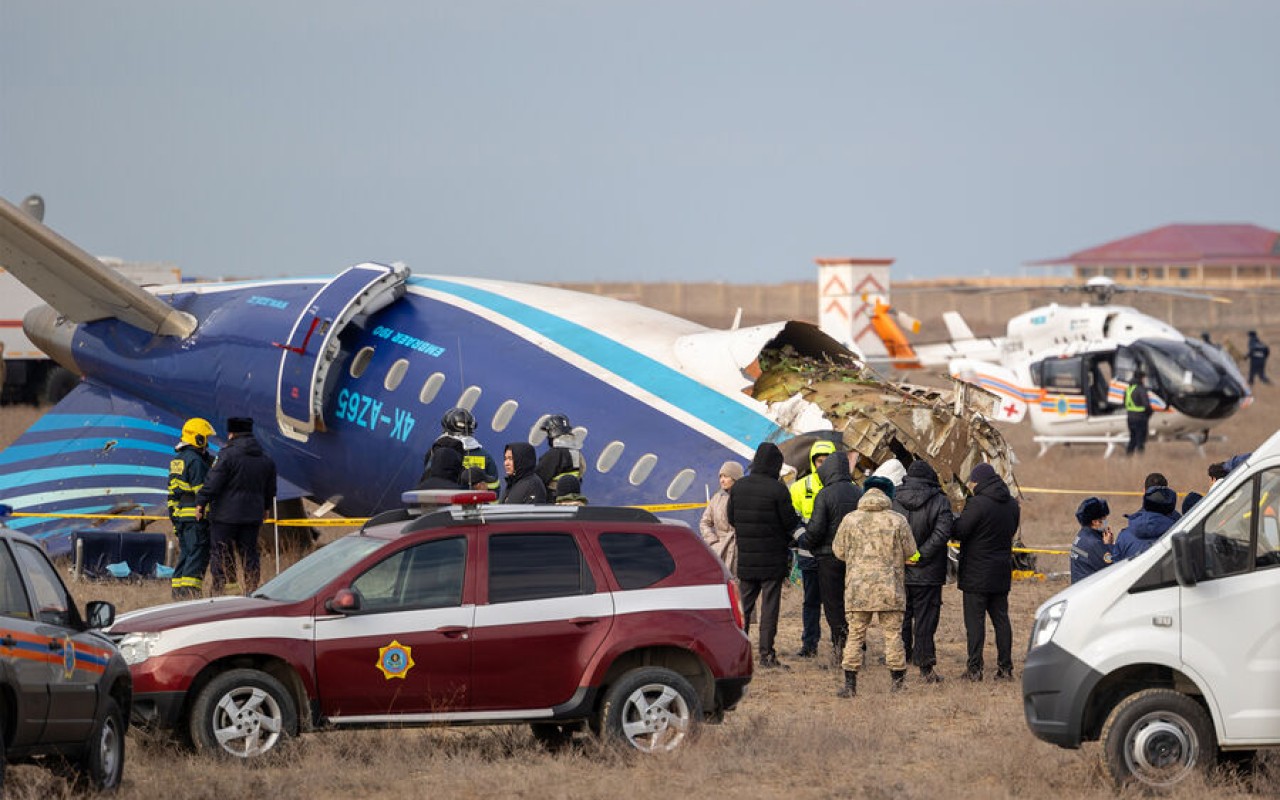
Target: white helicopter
{"points": [[1066, 367]]}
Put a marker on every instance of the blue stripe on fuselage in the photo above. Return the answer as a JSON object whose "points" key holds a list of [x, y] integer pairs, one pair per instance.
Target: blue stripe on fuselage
{"points": [[703, 402]]}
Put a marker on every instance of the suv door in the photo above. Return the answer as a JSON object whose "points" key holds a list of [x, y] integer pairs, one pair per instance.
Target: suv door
{"points": [[24, 654], [544, 617], [72, 679], [1230, 631], [408, 649]]}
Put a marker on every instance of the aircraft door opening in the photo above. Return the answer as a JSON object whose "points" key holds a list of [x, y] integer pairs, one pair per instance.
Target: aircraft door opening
{"points": [[313, 345]]}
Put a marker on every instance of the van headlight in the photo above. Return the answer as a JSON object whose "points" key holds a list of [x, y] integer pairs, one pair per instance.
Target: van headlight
{"points": [[1047, 624], [137, 647]]}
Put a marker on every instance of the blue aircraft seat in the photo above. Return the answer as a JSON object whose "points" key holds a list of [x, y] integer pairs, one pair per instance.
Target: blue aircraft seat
{"points": [[97, 550]]}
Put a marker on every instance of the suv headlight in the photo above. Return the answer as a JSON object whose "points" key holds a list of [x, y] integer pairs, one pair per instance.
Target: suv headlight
{"points": [[1047, 624], [137, 647]]}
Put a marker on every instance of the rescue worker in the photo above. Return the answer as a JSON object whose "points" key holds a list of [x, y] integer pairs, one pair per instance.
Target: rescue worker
{"points": [[1137, 404], [523, 484], [928, 512], [474, 478], [839, 497], [564, 456], [237, 497], [714, 524], [985, 530], [803, 492], [569, 491], [445, 471], [1159, 512], [1258, 354], [765, 522], [187, 472], [1093, 550], [459, 425], [875, 544]]}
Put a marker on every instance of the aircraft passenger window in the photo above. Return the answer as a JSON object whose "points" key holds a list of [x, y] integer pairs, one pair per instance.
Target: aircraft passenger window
{"points": [[361, 362], [609, 456], [502, 417], [1267, 553], [1227, 534], [395, 375], [431, 388], [680, 483], [469, 398], [644, 466], [536, 434]]}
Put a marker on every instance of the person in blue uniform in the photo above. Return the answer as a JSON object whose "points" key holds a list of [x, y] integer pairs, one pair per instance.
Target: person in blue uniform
{"points": [[1094, 547]]}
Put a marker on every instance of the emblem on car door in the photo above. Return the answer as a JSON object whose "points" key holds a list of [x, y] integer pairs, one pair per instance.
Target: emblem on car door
{"points": [[395, 660]]}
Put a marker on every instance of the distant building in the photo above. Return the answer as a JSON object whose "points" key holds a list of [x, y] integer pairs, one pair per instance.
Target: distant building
{"points": [[1183, 255]]}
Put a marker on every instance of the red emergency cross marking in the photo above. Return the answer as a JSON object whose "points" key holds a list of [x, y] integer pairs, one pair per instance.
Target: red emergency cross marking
{"points": [[1010, 410]]}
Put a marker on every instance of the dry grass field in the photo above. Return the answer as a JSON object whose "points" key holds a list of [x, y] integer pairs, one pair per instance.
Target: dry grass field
{"points": [[790, 736]]}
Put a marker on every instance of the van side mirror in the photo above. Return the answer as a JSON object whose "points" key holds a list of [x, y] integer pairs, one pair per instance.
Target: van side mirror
{"points": [[344, 602], [1188, 557], [99, 614]]}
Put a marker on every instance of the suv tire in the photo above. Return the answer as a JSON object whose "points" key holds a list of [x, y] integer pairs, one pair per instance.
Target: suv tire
{"points": [[102, 763], [651, 709], [243, 713], [1157, 737]]}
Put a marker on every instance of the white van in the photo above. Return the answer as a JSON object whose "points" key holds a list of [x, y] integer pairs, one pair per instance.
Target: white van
{"points": [[1173, 655]]}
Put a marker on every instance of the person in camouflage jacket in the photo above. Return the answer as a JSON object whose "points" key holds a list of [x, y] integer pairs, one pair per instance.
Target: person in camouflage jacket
{"points": [[875, 543]]}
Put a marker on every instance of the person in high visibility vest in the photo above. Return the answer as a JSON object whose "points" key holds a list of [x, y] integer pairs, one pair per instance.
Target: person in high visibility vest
{"points": [[1138, 406], [187, 472]]}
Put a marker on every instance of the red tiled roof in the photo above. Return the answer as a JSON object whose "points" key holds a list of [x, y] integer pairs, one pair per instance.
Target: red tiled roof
{"points": [[1174, 244]]}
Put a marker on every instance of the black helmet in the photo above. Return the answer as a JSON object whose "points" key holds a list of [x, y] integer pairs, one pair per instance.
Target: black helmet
{"points": [[557, 425], [458, 421]]}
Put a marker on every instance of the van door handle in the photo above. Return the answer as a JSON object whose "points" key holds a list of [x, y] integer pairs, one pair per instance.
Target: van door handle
{"points": [[453, 631], [583, 622]]}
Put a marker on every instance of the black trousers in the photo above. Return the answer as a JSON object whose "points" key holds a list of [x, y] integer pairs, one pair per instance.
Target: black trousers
{"points": [[831, 588], [229, 543], [977, 607], [920, 623], [770, 594], [1137, 433]]}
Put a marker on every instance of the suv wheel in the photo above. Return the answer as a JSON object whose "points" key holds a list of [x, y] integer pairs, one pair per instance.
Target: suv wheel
{"points": [[1157, 737], [243, 713], [102, 764], [652, 709]]}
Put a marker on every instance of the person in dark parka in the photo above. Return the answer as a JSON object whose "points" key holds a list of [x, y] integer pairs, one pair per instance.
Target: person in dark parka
{"points": [[237, 497], [765, 522], [1159, 512], [837, 497], [985, 530], [928, 511], [523, 484], [444, 471]]}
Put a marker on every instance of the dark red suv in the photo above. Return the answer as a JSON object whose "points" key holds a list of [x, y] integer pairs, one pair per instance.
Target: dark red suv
{"points": [[562, 617]]}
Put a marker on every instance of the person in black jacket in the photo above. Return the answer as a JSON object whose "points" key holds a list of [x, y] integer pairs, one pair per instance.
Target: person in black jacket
{"points": [[929, 512], [765, 521], [237, 497], [523, 484], [985, 531], [444, 471], [837, 497]]}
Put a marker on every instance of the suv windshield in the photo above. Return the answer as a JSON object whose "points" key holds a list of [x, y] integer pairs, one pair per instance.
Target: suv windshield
{"points": [[307, 576]]}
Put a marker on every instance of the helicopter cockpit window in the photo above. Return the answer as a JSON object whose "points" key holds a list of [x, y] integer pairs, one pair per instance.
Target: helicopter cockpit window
{"points": [[1126, 363], [1061, 375]]}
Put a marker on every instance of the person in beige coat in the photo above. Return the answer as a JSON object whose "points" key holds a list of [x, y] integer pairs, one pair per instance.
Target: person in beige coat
{"points": [[876, 544], [715, 527]]}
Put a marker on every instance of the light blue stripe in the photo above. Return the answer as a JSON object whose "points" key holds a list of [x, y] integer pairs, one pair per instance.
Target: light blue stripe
{"points": [[653, 376], [27, 452], [58, 422], [32, 477]]}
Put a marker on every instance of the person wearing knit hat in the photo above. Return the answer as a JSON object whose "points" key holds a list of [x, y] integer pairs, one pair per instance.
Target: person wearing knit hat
{"points": [[893, 470], [714, 524], [1159, 512], [1093, 548], [985, 530]]}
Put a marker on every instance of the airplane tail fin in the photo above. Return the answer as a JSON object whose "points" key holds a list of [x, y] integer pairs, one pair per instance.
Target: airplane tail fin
{"points": [[957, 328], [79, 286]]}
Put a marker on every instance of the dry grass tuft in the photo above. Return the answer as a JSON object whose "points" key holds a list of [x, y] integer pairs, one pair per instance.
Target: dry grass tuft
{"points": [[791, 736]]}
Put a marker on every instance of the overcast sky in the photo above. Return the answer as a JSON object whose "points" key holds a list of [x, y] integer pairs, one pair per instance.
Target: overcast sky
{"points": [[651, 140]]}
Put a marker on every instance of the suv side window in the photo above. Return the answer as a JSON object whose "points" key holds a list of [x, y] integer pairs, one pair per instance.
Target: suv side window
{"points": [[1228, 540], [13, 597], [637, 559], [426, 576], [531, 566], [51, 596]]}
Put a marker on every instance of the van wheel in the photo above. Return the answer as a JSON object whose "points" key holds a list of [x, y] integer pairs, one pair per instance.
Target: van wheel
{"points": [[102, 763], [652, 709], [243, 713], [1157, 737]]}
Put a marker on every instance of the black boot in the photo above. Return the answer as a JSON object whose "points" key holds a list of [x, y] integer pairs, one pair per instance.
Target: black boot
{"points": [[850, 687], [929, 676], [899, 680]]}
